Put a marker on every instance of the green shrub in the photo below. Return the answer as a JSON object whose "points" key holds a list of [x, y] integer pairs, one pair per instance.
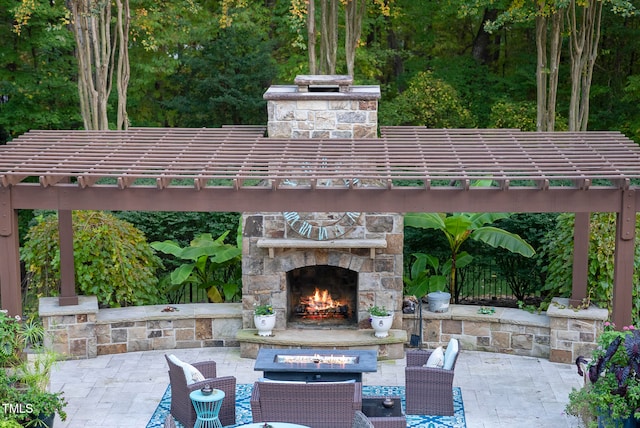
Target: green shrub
{"points": [[428, 101], [113, 260]]}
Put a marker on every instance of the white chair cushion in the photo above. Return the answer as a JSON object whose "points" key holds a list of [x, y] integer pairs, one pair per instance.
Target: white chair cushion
{"points": [[191, 374], [450, 354], [436, 359]]}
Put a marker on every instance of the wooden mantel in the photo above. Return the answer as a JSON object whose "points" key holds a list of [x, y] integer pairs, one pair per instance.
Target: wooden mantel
{"points": [[273, 243]]}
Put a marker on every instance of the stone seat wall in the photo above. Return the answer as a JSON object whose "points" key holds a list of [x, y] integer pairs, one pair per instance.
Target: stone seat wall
{"points": [[84, 331]]}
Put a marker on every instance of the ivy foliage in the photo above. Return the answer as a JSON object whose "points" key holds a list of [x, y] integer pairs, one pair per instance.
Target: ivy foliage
{"points": [[113, 260], [558, 249], [428, 101]]}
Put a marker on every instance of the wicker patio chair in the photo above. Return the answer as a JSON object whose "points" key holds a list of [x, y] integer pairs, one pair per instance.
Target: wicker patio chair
{"points": [[429, 390], [360, 420], [181, 406], [318, 405]]}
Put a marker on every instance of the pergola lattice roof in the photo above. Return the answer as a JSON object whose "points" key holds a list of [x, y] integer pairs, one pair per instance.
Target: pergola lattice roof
{"points": [[239, 169], [242, 157]]}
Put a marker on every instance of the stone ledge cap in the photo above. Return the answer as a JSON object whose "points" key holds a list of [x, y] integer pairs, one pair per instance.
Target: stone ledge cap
{"points": [[48, 306], [559, 308], [183, 311]]}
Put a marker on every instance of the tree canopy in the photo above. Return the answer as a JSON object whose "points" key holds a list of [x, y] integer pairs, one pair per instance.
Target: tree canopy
{"points": [[205, 63]]}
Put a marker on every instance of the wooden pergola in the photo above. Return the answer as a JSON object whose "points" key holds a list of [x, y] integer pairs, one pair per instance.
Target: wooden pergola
{"points": [[407, 169]]}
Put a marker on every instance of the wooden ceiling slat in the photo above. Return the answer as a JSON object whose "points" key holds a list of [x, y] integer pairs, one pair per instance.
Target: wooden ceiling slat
{"points": [[243, 153]]}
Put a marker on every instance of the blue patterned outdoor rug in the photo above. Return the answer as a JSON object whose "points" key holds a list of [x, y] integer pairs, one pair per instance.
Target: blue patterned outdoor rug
{"points": [[243, 408]]}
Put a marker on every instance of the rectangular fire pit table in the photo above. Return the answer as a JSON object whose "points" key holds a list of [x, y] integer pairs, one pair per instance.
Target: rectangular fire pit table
{"points": [[315, 365]]}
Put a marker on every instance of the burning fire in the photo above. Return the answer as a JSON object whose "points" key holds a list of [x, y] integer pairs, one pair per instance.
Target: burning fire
{"points": [[320, 301], [317, 359]]}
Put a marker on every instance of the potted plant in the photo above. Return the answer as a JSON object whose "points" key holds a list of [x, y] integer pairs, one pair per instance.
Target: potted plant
{"points": [[27, 403], [611, 394], [264, 317], [381, 320], [423, 280]]}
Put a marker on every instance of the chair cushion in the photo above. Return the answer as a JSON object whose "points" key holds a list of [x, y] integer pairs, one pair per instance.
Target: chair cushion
{"points": [[191, 374], [436, 359], [450, 354]]}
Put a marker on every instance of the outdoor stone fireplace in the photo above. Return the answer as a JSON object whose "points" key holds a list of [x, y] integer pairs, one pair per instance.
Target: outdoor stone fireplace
{"points": [[322, 271], [281, 268]]}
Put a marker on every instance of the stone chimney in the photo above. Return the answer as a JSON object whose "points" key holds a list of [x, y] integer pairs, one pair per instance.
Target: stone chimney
{"points": [[322, 106]]}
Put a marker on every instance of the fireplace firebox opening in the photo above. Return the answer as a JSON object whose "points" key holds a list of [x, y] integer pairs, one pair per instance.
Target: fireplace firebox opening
{"points": [[322, 296]]}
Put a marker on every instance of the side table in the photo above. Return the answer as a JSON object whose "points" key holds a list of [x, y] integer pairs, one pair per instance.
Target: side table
{"points": [[207, 408], [382, 417]]}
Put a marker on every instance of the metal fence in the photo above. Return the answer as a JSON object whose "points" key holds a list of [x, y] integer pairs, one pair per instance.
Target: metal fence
{"points": [[483, 283]]}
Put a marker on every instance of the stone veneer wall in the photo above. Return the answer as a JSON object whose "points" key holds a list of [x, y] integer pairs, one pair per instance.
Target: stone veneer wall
{"points": [[561, 334], [297, 111], [379, 279], [323, 119], [84, 331]]}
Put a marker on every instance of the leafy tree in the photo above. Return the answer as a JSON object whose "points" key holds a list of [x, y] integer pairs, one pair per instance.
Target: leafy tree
{"points": [[462, 226], [113, 260], [101, 30], [222, 81], [428, 101], [558, 250], [36, 68]]}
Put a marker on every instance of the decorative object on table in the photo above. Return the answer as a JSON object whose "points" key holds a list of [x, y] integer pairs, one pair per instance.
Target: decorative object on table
{"points": [[183, 381], [264, 317], [388, 403], [206, 390], [611, 392], [267, 425], [381, 320], [428, 389], [243, 408]]}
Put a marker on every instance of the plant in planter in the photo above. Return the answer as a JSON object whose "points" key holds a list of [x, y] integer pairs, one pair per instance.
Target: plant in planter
{"points": [[424, 280], [611, 394], [27, 404], [25, 380], [15, 336], [264, 317], [381, 320]]}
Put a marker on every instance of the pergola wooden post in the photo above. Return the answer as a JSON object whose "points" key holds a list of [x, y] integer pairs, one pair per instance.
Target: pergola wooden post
{"points": [[407, 169]]}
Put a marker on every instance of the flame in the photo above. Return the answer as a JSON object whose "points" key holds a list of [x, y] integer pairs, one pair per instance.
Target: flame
{"points": [[320, 301]]}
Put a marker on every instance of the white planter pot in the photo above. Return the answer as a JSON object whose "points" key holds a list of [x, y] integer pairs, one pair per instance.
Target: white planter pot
{"points": [[439, 301], [381, 325], [264, 324]]}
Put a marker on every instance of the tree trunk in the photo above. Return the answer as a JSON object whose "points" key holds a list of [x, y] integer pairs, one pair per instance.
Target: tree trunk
{"points": [[123, 70], [354, 12], [541, 74], [585, 22], [481, 49], [329, 39], [311, 36], [548, 46], [96, 54]]}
